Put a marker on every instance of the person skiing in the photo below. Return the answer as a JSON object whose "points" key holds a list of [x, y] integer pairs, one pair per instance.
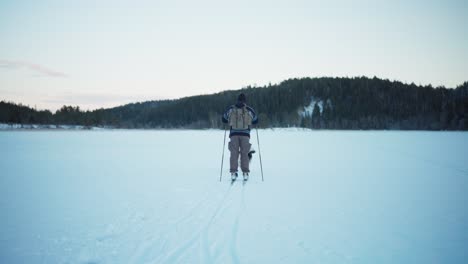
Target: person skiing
{"points": [[240, 117]]}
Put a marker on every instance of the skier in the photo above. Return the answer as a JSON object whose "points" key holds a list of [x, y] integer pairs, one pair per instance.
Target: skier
{"points": [[240, 118]]}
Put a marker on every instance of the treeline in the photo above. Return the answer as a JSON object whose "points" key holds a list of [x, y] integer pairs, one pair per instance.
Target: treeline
{"points": [[319, 103]]}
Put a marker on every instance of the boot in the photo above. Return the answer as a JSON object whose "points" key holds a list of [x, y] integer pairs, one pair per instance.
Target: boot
{"points": [[233, 176]]}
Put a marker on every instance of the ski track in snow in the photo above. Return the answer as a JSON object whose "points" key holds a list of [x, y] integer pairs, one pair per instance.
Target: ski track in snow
{"points": [[150, 246], [228, 211], [205, 241], [235, 228]]}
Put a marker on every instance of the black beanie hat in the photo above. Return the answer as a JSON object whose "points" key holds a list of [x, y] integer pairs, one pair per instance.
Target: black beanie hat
{"points": [[242, 98]]}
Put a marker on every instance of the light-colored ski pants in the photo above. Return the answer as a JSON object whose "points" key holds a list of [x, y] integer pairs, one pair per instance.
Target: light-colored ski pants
{"points": [[239, 145]]}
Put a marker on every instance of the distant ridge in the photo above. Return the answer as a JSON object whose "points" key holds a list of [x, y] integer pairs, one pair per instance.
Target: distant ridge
{"points": [[318, 103]]}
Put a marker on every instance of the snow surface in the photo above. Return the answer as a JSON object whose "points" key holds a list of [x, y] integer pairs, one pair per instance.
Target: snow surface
{"points": [[121, 196]]}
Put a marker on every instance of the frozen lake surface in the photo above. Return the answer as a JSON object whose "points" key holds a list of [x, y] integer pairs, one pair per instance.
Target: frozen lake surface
{"points": [[124, 196]]}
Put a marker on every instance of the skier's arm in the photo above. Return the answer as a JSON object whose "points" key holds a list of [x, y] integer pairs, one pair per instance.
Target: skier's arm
{"points": [[253, 115], [226, 114]]}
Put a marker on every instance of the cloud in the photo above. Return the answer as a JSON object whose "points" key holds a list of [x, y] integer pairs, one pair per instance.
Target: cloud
{"points": [[10, 64], [94, 100]]}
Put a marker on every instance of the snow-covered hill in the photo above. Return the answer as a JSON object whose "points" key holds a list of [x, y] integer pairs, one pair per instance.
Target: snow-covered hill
{"points": [[155, 197]]}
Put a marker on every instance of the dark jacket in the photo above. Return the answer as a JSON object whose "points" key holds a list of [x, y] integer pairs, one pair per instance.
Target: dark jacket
{"points": [[236, 132]]}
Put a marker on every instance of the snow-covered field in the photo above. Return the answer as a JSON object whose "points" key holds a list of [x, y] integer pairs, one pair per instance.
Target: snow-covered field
{"points": [[154, 197]]}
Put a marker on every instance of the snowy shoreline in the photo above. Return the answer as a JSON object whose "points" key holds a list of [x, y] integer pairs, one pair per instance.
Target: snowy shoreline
{"points": [[40, 127], [8, 127]]}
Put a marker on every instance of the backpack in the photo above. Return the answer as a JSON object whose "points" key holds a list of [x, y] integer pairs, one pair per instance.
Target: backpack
{"points": [[240, 118]]}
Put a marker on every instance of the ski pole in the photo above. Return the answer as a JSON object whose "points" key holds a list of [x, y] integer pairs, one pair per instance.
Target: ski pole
{"points": [[222, 159], [259, 152]]}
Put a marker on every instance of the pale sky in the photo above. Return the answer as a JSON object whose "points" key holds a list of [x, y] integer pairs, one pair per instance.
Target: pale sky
{"points": [[106, 53]]}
